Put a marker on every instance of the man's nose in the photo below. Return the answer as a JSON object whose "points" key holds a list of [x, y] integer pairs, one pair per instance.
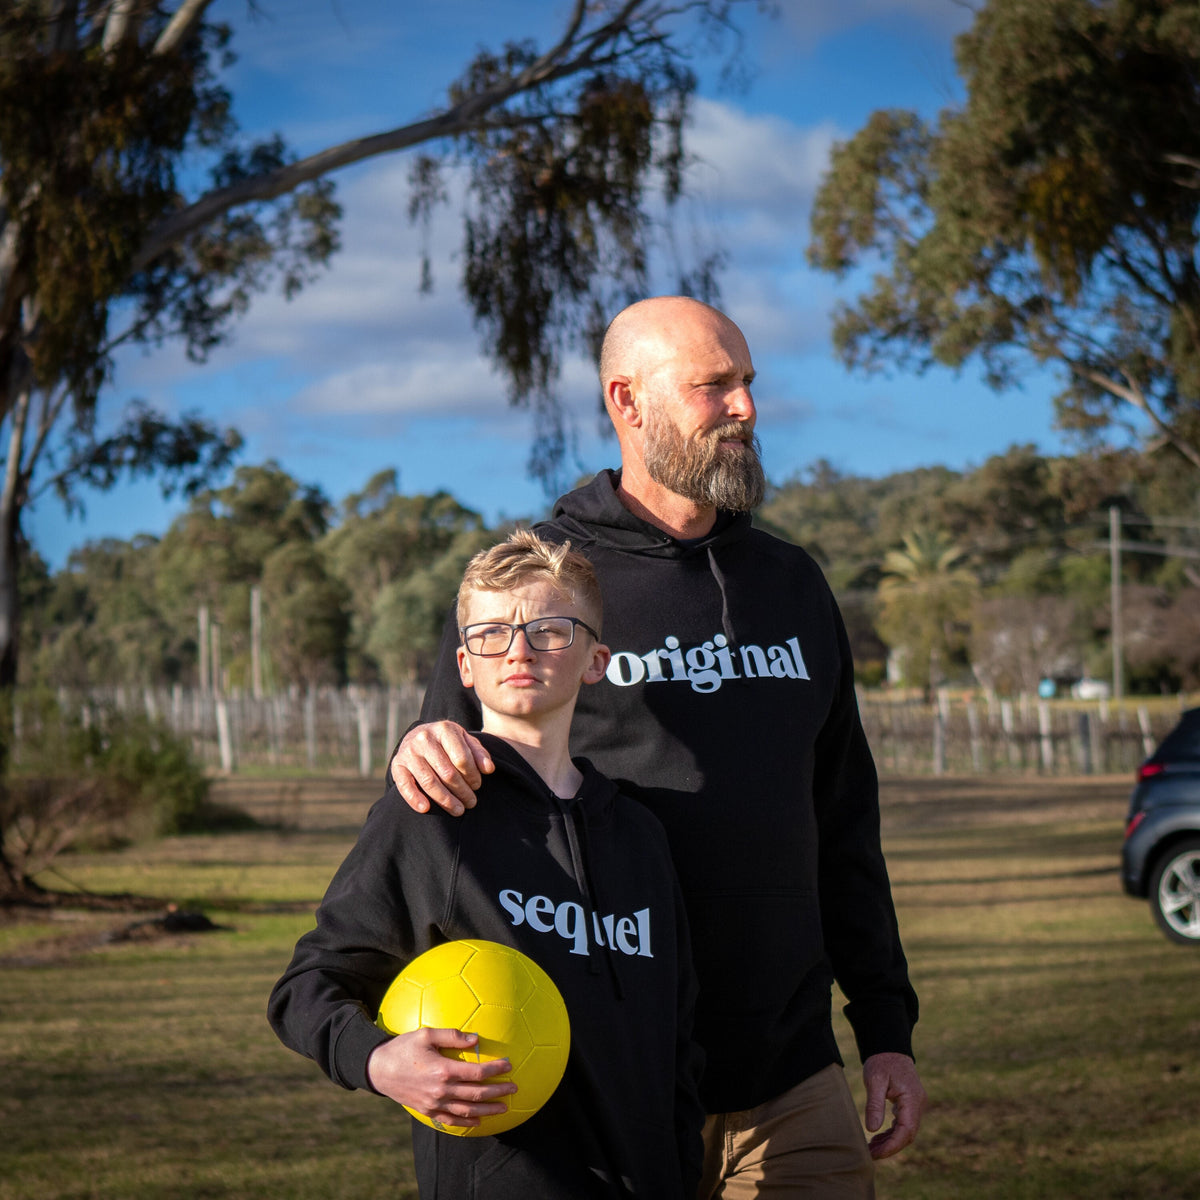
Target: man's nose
{"points": [[739, 403]]}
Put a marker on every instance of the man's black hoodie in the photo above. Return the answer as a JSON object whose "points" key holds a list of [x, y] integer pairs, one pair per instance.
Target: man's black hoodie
{"points": [[583, 886], [729, 710]]}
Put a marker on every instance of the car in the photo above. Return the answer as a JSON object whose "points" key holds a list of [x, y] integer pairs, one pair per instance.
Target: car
{"points": [[1160, 858]]}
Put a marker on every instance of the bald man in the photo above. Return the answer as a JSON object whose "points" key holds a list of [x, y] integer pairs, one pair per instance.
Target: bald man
{"points": [[728, 709]]}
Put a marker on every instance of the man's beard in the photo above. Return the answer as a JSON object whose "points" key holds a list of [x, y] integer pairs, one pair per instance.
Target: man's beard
{"points": [[701, 469]]}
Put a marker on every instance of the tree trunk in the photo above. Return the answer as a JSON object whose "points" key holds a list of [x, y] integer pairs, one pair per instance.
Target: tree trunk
{"points": [[10, 523], [10, 497]]}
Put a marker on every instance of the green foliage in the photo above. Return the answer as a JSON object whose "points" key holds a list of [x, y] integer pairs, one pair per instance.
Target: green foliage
{"points": [[83, 774], [411, 613], [131, 211], [925, 594], [358, 591], [1050, 218], [307, 618], [390, 543]]}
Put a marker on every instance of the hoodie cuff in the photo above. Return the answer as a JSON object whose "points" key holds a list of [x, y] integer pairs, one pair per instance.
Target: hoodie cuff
{"points": [[882, 1030], [353, 1047]]}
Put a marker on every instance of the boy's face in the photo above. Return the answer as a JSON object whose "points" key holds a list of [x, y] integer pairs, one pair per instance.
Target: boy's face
{"points": [[523, 682]]}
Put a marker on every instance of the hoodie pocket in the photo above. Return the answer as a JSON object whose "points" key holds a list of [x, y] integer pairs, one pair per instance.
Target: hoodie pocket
{"points": [[505, 1172]]}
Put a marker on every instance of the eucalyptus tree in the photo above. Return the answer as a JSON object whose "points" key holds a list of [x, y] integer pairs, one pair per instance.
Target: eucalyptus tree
{"points": [[1051, 217], [131, 211], [381, 539]]}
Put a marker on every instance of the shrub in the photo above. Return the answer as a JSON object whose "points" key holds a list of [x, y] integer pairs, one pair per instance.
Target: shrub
{"points": [[91, 773]]}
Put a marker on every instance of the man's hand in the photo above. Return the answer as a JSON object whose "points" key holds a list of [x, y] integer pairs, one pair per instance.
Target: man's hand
{"points": [[440, 762], [893, 1078], [411, 1070]]}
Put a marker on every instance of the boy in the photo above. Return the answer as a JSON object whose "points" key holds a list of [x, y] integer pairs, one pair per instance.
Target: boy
{"points": [[559, 865]]}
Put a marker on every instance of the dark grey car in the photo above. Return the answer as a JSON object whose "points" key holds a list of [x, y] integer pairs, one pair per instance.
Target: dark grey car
{"points": [[1160, 859]]}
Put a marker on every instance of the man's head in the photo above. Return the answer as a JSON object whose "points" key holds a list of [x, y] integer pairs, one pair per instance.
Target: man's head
{"points": [[676, 376]]}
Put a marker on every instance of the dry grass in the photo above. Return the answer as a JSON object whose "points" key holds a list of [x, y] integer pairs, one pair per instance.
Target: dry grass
{"points": [[1057, 1033]]}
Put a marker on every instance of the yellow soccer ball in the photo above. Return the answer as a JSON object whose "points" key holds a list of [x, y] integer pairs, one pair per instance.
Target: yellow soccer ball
{"points": [[503, 996]]}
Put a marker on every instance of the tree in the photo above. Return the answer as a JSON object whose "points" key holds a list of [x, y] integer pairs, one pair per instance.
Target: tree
{"points": [[410, 613], [1017, 641], [1051, 217], [218, 550], [306, 616], [106, 239], [383, 539], [925, 601]]}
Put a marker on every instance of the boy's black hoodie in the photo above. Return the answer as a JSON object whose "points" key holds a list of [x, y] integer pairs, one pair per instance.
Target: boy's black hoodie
{"points": [[585, 887], [729, 710]]}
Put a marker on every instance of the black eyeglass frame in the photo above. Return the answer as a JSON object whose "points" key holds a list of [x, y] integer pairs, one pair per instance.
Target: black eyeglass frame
{"points": [[523, 626]]}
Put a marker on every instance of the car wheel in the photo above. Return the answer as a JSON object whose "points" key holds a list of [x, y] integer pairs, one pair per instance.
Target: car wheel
{"points": [[1175, 892]]}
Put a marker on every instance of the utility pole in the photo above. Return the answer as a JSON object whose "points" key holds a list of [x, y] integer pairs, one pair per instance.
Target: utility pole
{"points": [[1114, 552]]}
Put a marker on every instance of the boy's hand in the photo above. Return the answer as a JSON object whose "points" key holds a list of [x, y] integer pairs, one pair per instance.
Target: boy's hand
{"points": [[440, 762], [410, 1070]]}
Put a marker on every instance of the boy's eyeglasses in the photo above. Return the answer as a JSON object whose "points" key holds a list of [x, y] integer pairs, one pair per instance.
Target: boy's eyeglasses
{"points": [[491, 638]]}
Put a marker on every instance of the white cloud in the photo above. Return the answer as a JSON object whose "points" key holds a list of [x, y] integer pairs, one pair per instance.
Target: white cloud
{"points": [[758, 164], [436, 385], [809, 23]]}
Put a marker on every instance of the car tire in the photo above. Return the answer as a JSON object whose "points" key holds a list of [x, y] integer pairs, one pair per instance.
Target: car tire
{"points": [[1175, 892]]}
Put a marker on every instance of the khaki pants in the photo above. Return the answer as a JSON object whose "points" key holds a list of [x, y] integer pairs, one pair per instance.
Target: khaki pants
{"points": [[809, 1142]]}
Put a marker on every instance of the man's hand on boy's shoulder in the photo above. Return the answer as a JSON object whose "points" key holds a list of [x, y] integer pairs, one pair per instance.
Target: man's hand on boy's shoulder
{"points": [[411, 1070], [440, 762]]}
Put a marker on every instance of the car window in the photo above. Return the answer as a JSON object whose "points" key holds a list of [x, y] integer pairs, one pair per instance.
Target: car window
{"points": [[1183, 741]]}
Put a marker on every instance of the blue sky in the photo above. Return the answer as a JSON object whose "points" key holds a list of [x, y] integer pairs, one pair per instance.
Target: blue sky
{"points": [[361, 372]]}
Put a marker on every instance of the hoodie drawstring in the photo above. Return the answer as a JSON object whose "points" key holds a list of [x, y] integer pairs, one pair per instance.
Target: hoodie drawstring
{"points": [[726, 619], [576, 822]]}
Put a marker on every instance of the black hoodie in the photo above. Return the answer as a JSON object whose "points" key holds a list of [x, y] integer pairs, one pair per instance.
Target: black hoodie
{"points": [[729, 710], [585, 887]]}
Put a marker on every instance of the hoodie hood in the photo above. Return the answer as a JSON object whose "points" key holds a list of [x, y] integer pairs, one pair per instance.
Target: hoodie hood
{"points": [[594, 514]]}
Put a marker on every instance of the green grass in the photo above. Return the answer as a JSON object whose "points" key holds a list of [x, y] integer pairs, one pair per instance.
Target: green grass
{"points": [[1056, 1039]]}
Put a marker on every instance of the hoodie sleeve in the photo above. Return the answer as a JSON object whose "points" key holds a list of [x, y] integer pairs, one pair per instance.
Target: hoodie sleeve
{"points": [[392, 884], [858, 917]]}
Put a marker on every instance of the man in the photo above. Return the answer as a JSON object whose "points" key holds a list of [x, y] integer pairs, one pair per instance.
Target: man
{"points": [[728, 708]]}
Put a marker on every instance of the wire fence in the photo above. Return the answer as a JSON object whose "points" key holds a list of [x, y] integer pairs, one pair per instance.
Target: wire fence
{"points": [[987, 735], [354, 729]]}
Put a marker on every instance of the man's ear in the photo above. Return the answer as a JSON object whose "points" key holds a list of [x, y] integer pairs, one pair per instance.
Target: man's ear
{"points": [[622, 404], [464, 667], [598, 665]]}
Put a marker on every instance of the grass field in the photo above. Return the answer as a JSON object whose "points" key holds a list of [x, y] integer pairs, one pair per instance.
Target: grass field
{"points": [[1058, 1037]]}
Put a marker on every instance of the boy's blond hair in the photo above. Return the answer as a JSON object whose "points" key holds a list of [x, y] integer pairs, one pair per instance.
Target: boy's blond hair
{"points": [[524, 557]]}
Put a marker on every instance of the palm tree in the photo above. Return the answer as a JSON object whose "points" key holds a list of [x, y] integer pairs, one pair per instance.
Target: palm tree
{"points": [[924, 599]]}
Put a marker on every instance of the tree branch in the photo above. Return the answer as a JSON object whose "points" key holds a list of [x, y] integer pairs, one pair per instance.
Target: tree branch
{"points": [[118, 25], [453, 121], [1133, 394], [181, 24]]}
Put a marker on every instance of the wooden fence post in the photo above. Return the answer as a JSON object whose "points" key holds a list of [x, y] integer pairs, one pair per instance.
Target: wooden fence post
{"points": [[310, 728], [976, 739], [1085, 744], [939, 733], [1045, 729], [1143, 715], [364, 735], [224, 740]]}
